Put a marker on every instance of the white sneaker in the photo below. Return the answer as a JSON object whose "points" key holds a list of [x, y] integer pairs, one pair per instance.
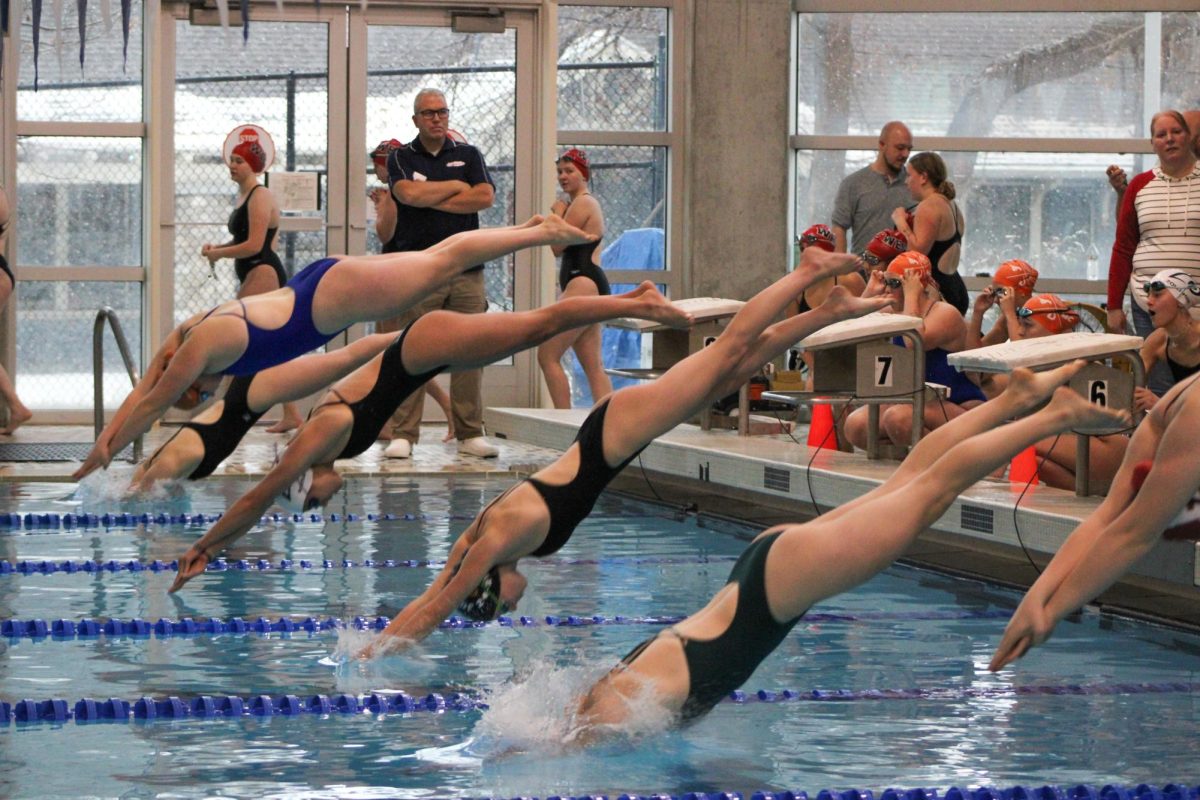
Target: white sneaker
{"points": [[398, 448], [478, 446]]}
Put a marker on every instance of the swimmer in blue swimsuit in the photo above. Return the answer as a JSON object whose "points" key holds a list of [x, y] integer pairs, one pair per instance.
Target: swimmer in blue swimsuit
{"points": [[689, 667], [909, 284], [537, 516], [251, 334], [202, 443], [347, 422], [1152, 496]]}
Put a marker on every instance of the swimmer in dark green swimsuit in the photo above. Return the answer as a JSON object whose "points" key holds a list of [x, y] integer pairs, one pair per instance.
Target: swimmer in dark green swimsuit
{"points": [[690, 666]]}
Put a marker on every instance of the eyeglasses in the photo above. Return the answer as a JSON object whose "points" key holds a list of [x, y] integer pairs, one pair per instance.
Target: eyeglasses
{"points": [[434, 113], [893, 283]]}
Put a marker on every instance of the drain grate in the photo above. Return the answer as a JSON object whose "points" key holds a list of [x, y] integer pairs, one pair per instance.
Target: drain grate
{"points": [[48, 451], [977, 518], [780, 480]]}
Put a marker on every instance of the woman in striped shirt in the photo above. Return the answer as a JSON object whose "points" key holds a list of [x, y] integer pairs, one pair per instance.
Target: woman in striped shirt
{"points": [[1159, 223]]}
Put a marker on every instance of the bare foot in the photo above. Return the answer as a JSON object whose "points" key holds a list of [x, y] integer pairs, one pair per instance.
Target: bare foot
{"points": [[17, 416], [816, 263], [1030, 389], [1083, 417], [559, 232], [532, 222], [842, 304], [640, 289], [653, 306]]}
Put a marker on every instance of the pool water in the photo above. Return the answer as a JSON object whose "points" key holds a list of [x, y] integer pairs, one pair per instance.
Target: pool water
{"points": [[905, 630]]}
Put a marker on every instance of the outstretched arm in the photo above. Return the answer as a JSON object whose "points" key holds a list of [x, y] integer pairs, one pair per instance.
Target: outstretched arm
{"points": [[314, 443], [422, 616], [103, 450]]}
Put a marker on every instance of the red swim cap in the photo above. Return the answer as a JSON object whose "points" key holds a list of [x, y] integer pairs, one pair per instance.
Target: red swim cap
{"points": [[384, 148], [253, 154], [818, 235], [580, 160], [886, 245]]}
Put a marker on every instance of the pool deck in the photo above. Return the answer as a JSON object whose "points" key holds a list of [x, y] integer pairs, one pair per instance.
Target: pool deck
{"points": [[763, 479]]}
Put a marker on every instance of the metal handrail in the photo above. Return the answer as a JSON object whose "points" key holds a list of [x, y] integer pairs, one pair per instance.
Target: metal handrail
{"points": [[107, 314]]}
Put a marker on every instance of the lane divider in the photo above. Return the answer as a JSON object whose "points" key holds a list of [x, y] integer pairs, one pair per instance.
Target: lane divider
{"points": [[44, 567], [59, 710], [47, 522], [63, 629]]}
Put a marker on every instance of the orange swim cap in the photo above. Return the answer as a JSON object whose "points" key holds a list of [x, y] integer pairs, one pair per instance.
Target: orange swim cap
{"points": [[911, 259], [1017, 275], [1051, 312]]}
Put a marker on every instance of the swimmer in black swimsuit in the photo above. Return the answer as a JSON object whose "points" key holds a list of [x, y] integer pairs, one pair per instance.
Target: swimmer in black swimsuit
{"points": [[1170, 295], [202, 443], [347, 422], [537, 516], [692, 665], [252, 225], [936, 215], [18, 414], [1157, 481], [579, 275], [245, 336]]}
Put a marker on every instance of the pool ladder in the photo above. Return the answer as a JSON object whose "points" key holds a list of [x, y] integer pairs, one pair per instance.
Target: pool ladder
{"points": [[106, 314]]}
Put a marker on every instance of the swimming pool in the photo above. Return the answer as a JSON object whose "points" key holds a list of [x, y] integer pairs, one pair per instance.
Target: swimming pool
{"points": [[924, 634]]}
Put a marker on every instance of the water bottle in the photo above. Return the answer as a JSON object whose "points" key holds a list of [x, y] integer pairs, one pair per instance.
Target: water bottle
{"points": [[1093, 263]]}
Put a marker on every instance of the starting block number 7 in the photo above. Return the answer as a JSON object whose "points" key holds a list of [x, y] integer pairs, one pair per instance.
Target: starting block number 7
{"points": [[1097, 393], [883, 371]]}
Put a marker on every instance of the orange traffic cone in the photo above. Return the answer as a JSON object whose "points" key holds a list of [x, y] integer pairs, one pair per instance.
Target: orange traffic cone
{"points": [[821, 433], [1023, 468]]}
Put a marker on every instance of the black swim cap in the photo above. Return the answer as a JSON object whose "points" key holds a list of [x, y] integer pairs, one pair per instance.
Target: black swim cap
{"points": [[483, 603]]}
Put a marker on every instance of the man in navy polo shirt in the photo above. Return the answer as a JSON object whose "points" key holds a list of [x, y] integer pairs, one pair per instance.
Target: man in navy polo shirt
{"points": [[440, 187]]}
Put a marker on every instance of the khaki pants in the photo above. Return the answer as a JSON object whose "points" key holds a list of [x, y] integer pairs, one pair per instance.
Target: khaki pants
{"points": [[467, 295]]}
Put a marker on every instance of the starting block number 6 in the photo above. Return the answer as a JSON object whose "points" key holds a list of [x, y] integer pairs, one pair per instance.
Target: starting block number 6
{"points": [[1097, 393], [883, 371]]}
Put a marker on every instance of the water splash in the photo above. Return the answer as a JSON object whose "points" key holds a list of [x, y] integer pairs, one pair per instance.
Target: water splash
{"points": [[106, 491], [386, 672]]}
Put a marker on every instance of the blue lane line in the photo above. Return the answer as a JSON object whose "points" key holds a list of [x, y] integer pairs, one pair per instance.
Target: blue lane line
{"points": [[66, 629], [59, 710], [51, 567]]}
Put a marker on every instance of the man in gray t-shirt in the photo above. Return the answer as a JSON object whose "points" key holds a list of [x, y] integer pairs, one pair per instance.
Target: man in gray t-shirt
{"points": [[866, 198]]}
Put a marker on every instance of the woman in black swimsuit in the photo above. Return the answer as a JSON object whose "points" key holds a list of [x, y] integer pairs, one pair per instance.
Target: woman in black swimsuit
{"points": [[936, 226], [537, 516], [579, 275], [253, 225], [18, 414], [1175, 340], [347, 422], [692, 665]]}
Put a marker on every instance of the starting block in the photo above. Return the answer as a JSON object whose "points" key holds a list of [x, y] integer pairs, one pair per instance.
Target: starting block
{"points": [[669, 346], [1098, 382], [856, 359]]}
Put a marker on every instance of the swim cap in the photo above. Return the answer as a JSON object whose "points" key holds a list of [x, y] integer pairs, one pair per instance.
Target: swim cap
{"points": [[1017, 275], [911, 259], [384, 148], [253, 154], [580, 160], [1180, 284], [253, 144], [1051, 312], [293, 497], [818, 235], [886, 245], [483, 603]]}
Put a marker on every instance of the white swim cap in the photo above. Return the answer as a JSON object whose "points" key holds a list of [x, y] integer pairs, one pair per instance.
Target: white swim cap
{"points": [[292, 498], [1180, 284]]}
